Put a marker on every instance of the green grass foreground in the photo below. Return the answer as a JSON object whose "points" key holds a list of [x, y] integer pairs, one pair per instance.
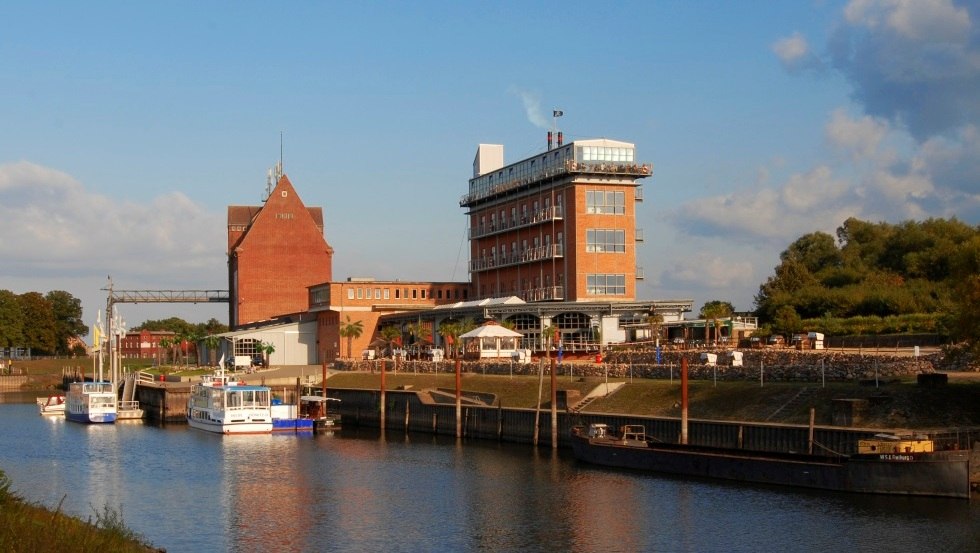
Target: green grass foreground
{"points": [[28, 527]]}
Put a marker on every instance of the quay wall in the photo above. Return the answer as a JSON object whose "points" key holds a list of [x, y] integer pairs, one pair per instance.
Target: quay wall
{"points": [[411, 411]]}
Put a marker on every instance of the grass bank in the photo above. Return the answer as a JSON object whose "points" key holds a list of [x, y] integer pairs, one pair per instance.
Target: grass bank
{"points": [[25, 526]]}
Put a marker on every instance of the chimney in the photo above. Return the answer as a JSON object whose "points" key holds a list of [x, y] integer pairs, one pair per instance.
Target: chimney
{"points": [[559, 141], [549, 140]]}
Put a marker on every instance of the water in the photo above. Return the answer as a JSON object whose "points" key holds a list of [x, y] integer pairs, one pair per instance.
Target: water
{"points": [[187, 490]]}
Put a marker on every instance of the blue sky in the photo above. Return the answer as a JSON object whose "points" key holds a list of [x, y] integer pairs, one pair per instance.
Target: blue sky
{"points": [[129, 127]]}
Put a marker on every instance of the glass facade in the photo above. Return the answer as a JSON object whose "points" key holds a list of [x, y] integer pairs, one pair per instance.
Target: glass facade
{"points": [[606, 285], [605, 240]]}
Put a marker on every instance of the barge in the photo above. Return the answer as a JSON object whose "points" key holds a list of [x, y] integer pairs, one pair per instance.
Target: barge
{"points": [[885, 465]]}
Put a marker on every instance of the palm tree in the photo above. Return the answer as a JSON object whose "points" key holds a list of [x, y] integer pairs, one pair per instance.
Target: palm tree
{"points": [[266, 349], [449, 330], [548, 335], [713, 311], [212, 342], [390, 334], [654, 322], [350, 330]]}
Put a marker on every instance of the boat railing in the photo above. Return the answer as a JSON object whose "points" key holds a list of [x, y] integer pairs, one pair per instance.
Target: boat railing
{"points": [[128, 405]]}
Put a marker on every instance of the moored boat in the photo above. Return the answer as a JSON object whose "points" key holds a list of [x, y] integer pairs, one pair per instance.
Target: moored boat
{"points": [[91, 402], [885, 465], [51, 405], [221, 405], [315, 409]]}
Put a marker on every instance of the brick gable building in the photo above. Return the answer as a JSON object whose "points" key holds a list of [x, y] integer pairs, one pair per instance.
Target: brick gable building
{"points": [[275, 252]]}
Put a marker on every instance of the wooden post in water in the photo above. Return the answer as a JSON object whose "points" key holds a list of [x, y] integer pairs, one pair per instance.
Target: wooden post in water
{"points": [[683, 400], [812, 416], [554, 405], [537, 410], [459, 401], [383, 400]]}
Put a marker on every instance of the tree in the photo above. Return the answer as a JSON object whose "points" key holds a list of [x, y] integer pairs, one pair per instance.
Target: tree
{"points": [[11, 320], [713, 311], [266, 349], [449, 330], [549, 335], [68, 319], [212, 342], [654, 322], [41, 335], [391, 335], [350, 330]]}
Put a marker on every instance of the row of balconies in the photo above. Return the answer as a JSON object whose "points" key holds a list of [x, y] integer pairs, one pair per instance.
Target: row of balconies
{"points": [[547, 214], [544, 294], [571, 166], [531, 254]]}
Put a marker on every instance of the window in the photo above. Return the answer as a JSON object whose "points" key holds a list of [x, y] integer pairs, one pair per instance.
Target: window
{"points": [[606, 285], [606, 202], [388, 293], [605, 240], [350, 293], [415, 293], [377, 293], [360, 293]]}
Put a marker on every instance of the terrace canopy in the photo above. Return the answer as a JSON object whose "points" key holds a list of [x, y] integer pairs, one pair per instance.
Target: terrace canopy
{"points": [[491, 341]]}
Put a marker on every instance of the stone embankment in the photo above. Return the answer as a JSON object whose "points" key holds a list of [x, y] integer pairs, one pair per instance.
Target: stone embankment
{"points": [[786, 365]]}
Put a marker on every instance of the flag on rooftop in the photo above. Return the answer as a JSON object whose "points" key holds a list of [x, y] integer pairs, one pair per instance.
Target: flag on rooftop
{"points": [[558, 113]]}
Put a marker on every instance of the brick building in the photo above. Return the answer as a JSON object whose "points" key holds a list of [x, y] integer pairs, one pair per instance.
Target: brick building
{"points": [[557, 226], [367, 300], [275, 252], [145, 344]]}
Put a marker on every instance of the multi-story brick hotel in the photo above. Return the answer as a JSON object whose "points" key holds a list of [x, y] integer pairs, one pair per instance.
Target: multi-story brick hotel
{"points": [[552, 243]]}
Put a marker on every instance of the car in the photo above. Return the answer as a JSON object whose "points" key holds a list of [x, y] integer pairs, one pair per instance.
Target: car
{"points": [[776, 340]]}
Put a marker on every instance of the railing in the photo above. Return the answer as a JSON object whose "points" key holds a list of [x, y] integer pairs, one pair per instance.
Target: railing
{"points": [[530, 255], [639, 235], [571, 166], [638, 194], [544, 294], [554, 213], [640, 273]]}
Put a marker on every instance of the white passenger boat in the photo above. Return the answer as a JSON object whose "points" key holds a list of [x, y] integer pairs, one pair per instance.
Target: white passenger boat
{"points": [[221, 405], [51, 405], [93, 402]]}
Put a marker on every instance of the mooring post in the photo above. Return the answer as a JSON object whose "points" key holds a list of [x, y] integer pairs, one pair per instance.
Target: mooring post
{"points": [[459, 401], [383, 400], [684, 400], [554, 405]]}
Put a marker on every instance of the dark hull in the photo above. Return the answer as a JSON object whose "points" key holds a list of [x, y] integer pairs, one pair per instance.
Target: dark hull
{"points": [[942, 474]]}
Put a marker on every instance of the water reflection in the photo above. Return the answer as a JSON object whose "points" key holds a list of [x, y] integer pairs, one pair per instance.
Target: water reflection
{"points": [[358, 490]]}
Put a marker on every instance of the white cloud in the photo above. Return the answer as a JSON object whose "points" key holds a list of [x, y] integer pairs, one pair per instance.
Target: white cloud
{"points": [[59, 235], [703, 270], [860, 138], [928, 20], [791, 50]]}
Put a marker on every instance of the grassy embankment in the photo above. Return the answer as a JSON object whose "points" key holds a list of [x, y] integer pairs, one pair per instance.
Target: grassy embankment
{"points": [[25, 526], [896, 403]]}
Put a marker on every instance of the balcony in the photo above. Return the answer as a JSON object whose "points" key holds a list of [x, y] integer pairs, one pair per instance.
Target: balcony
{"points": [[546, 215], [639, 235], [544, 294], [541, 253], [638, 194], [638, 170], [640, 273]]}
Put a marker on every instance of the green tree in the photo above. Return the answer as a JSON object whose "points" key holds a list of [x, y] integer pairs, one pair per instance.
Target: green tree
{"points": [[266, 349], [213, 343], [450, 331], [350, 330], [11, 320], [41, 335], [655, 322], [712, 312], [390, 334], [68, 318]]}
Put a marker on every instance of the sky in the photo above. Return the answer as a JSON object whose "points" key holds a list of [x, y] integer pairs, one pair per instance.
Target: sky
{"points": [[128, 128]]}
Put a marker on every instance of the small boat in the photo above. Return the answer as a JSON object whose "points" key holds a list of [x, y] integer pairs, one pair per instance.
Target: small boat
{"points": [[221, 405], [51, 405], [91, 402], [315, 409], [887, 464], [128, 410]]}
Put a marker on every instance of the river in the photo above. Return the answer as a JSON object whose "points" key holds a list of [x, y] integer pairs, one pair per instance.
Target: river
{"points": [[186, 490]]}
